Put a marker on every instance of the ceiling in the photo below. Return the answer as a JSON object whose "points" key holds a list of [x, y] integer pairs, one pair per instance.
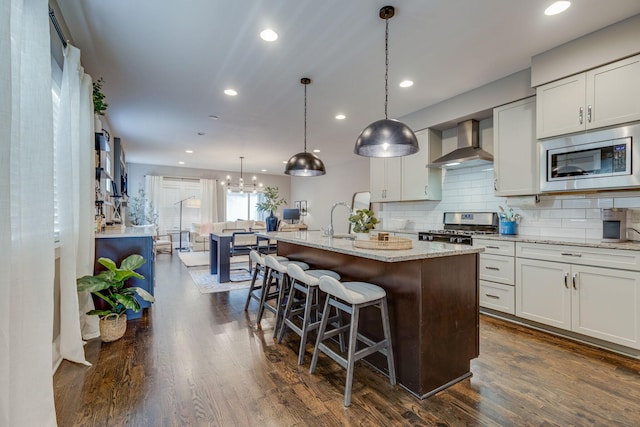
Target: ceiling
{"points": [[166, 64]]}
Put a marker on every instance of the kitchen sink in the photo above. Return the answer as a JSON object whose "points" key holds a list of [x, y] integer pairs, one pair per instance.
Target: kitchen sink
{"points": [[343, 236]]}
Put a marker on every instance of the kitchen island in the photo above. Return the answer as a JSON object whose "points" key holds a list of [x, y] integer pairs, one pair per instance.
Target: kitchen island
{"points": [[432, 290]]}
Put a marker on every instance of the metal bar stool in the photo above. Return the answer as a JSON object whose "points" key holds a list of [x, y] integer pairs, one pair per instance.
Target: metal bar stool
{"points": [[255, 292], [275, 273], [350, 297], [305, 283]]}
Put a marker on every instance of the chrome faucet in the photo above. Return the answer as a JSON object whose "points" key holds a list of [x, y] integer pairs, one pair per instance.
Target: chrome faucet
{"points": [[329, 230]]}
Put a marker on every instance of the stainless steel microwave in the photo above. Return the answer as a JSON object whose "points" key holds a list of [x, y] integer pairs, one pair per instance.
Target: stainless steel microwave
{"points": [[604, 159]]}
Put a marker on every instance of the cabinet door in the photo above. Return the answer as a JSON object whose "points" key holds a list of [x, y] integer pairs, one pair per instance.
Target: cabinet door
{"points": [[560, 107], [613, 93], [543, 292], [385, 175], [606, 304], [515, 148], [418, 181]]}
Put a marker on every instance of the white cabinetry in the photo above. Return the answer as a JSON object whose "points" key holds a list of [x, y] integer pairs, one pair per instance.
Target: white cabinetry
{"points": [[574, 288], [497, 274], [396, 179], [515, 148], [604, 96], [418, 181], [385, 179]]}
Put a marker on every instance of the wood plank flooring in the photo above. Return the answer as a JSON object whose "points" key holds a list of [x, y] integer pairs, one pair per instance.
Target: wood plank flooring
{"points": [[200, 360]]}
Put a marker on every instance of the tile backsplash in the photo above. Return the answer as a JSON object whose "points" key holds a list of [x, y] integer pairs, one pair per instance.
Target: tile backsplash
{"points": [[570, 215]]}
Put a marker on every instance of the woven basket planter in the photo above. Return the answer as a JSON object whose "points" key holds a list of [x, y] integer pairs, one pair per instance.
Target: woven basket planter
{"points": [[113, 326]]}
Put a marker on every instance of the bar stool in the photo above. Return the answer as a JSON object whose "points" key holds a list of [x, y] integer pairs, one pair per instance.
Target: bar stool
{"points": [[306, 283], [275, 270], [356, 295], [255, 292]]}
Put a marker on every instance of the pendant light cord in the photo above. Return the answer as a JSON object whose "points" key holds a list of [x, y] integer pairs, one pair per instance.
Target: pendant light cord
{"points": [[386, 67], [305, 117]]}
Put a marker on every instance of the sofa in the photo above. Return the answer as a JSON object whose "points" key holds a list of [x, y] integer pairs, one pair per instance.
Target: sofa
{"points": [[199, 232]]}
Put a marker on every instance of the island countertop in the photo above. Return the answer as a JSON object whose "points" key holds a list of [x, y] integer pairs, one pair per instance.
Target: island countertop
{"points": [[420, 249]]}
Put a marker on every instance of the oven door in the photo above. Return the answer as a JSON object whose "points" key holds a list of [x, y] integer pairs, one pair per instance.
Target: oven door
{"points": [[596, 160]]}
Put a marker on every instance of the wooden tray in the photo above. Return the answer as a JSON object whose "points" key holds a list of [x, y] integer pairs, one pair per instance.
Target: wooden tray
{"points": [[394, 243]]}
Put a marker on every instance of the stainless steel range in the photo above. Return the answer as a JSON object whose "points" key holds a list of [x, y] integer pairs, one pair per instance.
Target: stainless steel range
{"points": [[460, 227]]}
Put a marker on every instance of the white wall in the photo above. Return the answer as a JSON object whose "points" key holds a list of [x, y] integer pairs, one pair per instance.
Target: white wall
{"points": [[338, 185]]}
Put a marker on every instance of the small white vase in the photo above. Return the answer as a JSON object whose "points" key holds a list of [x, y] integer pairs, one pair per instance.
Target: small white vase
{"points": [[97, 123], [362, 236]]}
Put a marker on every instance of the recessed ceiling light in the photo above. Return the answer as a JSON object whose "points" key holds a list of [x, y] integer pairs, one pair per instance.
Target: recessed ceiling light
{"points": [[230, 92], [188, 151], [263, 170], [557, 7], [406, 83], [213, 117], [181, 163], [269, 35], [341, 117], [316, 151], [200, 133]]}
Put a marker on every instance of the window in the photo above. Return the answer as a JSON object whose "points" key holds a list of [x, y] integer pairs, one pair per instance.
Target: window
{"points": [[243, 206], [175, 190]]}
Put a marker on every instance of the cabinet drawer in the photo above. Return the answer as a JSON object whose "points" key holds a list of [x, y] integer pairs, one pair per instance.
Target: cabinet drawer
{"points": [[497, 297], [497, 268], [497, 247], [597, 257]]}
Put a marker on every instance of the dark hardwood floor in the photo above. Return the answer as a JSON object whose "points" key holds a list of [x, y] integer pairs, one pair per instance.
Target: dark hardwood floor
{"points": [[200, 360]]}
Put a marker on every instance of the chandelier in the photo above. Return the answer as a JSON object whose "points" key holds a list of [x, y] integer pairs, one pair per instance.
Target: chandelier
{"points": [[240, 187]]}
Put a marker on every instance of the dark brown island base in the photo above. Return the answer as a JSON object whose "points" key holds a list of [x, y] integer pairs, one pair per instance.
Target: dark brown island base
{"points": [[432, 291]]}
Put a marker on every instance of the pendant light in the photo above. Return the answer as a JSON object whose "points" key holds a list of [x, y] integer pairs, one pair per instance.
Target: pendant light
{"points": [[386, 138], [240, 187], [305, 164]]}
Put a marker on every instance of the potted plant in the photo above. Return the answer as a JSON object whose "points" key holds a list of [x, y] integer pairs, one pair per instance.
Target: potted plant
{"points": [[272, 201], [362, 222], [141, 211], [109, 286], [99, 106]]}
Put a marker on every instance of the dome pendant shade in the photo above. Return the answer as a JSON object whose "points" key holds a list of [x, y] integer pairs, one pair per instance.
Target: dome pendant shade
{"points": [[386, 138], [304, 164]]}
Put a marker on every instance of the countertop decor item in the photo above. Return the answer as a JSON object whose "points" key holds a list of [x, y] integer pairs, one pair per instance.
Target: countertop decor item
{"points": [[305, 164], [392, 243], [363, 221], [109, 286], [508, 221], [386, 138], [272, 201]]}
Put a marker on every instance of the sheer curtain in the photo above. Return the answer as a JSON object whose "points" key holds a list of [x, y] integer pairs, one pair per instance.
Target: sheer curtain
{"points": [[153, 188], [74, 134], [209, 205], [26, 215]]}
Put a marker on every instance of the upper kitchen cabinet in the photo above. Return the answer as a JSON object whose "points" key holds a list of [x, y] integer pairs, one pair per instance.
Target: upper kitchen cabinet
{"points": [[605, 96], [418, 181], [385, 179], [515, 148], [396, 179]]}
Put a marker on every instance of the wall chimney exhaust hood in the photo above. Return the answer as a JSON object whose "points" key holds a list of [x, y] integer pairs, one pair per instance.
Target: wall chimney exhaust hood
{"points": [[468, 152]]}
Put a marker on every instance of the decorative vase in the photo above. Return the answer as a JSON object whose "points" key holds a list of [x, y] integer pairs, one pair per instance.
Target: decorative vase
{"points": [[272, 222], [113, 326], [362, 236], [97, 123]]}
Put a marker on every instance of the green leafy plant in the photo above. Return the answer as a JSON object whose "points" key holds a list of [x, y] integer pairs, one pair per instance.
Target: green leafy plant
{"points": [[99, 106], [363, 221], [271, 200], [109, 285], [141, 210]]}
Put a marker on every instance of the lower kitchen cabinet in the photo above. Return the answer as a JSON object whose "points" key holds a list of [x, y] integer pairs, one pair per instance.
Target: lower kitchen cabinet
{"points": [[497, 275], [598, 302]]}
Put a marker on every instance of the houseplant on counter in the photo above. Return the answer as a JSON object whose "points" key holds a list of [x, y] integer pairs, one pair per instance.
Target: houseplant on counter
{"points": [[109, 286], [272, 201], [363, 221]]}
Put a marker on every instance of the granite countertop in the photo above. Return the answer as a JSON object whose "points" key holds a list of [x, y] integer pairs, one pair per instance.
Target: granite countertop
{"points": [[129, 232], [420, 250], [589, 243]]}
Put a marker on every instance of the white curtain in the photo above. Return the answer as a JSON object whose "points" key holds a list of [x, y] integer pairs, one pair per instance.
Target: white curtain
{"points": [[74, 137], [26, 215], [209, 205], [153, 188]]}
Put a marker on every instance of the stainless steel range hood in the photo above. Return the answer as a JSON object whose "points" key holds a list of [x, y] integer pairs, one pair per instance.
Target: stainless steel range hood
{"points": [[468, 152]]}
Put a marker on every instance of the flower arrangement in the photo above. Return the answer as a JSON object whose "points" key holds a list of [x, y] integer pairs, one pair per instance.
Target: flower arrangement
{"points": [[508, 216], [363, 221]]}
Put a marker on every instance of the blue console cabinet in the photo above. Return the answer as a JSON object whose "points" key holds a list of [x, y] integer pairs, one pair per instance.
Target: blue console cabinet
{"points": [[119, 246]]}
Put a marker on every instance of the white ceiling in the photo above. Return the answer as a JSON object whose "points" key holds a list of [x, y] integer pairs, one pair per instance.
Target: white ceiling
{"points": [[166, 64]]}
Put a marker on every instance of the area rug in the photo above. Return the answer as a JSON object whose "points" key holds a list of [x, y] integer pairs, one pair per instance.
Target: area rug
{"points": [[194, 259], [207, 283]]}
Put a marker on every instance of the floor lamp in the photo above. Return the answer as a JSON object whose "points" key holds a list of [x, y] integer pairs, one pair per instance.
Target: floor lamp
{"points": [[180, 227]]}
